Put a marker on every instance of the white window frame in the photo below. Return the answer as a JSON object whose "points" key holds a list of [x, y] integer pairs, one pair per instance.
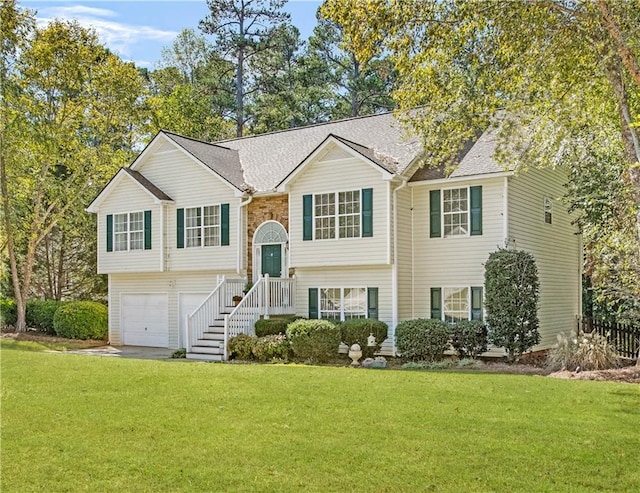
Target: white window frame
{"points": [[446, 292], [336, 223], [341, 308], [133, 238], [444, 215], [202, 229]]}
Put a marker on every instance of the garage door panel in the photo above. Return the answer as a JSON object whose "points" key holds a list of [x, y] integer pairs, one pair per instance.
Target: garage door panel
{"points": [[145, 319]]}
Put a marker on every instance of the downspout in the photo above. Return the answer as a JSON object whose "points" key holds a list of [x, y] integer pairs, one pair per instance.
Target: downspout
{"points": [[394, 268], [505, 212], [240, 229]]}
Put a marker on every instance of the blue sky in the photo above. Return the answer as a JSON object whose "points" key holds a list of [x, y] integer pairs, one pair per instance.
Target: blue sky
{"points": [[137, 30]]}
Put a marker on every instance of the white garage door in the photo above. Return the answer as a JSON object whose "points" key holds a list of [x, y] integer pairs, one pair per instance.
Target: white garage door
{"points": [[187, 304], [145, 320]]}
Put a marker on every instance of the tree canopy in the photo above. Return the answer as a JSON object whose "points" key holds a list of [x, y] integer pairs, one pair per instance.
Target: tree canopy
{"points": [[71, 113], [560, 80]]}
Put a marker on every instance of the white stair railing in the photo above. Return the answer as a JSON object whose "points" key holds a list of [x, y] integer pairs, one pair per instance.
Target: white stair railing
{"points": [[281, 296], [243, 317], [219, 301]]}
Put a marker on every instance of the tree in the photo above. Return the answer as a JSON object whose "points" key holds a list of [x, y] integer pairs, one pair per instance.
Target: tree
{"points": [[191, 91], [293, 88], [562, 76], [73, 113], [511, 301], [360, 86], [241, 29]]}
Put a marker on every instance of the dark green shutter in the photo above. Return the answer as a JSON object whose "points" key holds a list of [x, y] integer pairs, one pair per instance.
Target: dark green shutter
{"points": [[476, 210], [180, 228], [147, 230], [367, 212], [436, 303], [224, 224], [372, 303], [435, 230], [476, 303], [313, 303], [109, 232], [307, 217]]}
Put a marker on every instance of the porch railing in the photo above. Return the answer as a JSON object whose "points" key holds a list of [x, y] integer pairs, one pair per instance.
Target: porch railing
{"points": [[268, 296]]}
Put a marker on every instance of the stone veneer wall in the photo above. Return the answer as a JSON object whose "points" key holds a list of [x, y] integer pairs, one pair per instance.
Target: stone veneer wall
{"points": [[259, 210]]}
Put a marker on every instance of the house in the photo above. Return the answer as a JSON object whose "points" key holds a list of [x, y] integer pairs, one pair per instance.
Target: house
{"points": [[334, 220]]}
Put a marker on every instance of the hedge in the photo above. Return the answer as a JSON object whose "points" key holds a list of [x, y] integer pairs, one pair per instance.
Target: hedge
{"points": [[8, 312], [422, 339], [358, 330], [40, 313], [81, 320], [314, 340]]}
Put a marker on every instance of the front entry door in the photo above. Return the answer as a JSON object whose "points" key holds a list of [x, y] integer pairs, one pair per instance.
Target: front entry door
{"points": [[272, 260]]}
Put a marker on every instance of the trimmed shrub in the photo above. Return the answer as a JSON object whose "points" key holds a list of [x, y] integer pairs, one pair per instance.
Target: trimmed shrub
{"points": [[357, 331], [271, 347], [422, 339], [40, 314], [8, 312], [241, 347], [469, 338], [273, 326], [511, 301], [314, 340], [81, 320], [589, 351]]}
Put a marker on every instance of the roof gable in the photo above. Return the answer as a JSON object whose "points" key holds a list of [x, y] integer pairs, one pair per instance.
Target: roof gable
{"points": [[221, 161], [353, 149], [143, 183]]}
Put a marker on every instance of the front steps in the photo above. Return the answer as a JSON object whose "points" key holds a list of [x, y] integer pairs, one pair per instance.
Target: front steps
{"points": [[210, 347]]}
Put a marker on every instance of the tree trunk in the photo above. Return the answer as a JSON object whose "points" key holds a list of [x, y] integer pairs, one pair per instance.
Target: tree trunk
{"points": [[15, 278], [240, 94]]}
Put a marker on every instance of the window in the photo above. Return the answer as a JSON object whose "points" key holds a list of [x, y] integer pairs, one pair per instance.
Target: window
{"points": [[456, 303], [325, 221], [455, 212], [202, 226], [348, 215], [128, 231], [548, 210], [343, 303], [333, 215]]}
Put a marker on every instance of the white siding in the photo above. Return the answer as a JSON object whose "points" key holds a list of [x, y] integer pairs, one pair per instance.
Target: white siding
{"points": [[336, 176], [129, 197], [171, 284], [452, 261], [555, 246], [189, 184], [353, 277], [405, 252]]}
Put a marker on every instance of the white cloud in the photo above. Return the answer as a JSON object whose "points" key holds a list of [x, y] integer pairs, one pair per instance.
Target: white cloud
{"points": [[119, 37]]}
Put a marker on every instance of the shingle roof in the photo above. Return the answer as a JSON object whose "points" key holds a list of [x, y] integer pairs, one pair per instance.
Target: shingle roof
{"points": [[268, 158], [261, 162], [224, 161], [475, 158], [150, 187]]}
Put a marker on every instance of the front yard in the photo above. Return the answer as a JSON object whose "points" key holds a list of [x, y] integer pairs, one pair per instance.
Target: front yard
{"points": [[80, 423]]}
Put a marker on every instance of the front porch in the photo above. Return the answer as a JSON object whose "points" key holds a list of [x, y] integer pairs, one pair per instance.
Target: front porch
{"points": [[219, 318]]}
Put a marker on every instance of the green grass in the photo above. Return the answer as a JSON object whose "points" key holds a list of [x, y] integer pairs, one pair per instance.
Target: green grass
{"points": [[78, 423]]}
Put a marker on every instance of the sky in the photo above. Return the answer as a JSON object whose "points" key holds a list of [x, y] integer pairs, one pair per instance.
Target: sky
{"points": [[138, 30]]}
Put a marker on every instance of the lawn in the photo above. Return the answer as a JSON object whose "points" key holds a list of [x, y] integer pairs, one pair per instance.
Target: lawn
{"points": [[81, 423]]}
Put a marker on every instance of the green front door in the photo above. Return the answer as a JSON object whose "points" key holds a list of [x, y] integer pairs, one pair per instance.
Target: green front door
{"points": [[272, 260]]}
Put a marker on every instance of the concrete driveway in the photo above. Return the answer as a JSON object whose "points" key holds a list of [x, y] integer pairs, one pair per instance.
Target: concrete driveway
{"points": [[137, 352]]}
